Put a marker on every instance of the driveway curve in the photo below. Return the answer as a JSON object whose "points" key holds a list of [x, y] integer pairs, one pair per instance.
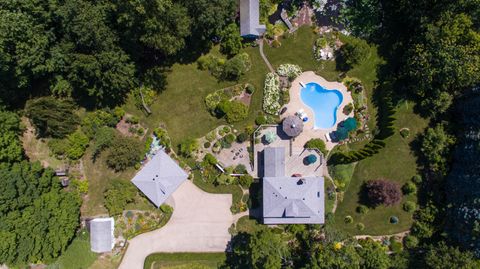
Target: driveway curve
{"points": [[199, 223]]}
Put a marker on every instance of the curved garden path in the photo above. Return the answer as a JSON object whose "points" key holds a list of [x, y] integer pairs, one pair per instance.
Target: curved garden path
{"points": [[260, 46]]}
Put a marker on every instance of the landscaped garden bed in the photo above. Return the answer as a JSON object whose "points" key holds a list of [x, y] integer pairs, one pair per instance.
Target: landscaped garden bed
{"points": [[134, 222]]}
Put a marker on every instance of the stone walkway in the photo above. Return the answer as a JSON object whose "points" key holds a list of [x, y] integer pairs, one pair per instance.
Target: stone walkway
{"points": [[260, 46]]}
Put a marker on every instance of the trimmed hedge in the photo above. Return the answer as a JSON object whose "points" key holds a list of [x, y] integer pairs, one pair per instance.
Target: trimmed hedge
{"points": [[385, 123]]}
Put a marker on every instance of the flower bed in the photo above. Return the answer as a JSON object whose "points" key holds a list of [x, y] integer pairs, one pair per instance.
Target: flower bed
{"points": [[289, 70], [213, 99], [271, 97]]}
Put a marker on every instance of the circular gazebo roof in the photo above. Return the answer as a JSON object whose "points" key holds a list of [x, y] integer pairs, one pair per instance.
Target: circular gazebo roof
{"points": [[292, 126]]}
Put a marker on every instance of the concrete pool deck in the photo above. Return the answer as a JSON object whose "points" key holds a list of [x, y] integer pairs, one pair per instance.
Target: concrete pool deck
{"points": [[296, 104]]}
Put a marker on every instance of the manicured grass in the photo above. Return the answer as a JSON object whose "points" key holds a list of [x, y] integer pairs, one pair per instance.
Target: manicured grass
{"points": [[184, 260], [329, 203], [77, 255], [395, 162], [247, 225], [342, 173], [181, 105], [99, 176]]}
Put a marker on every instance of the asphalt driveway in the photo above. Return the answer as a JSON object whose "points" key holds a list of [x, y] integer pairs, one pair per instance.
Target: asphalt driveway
{"points": [[199, 223]]}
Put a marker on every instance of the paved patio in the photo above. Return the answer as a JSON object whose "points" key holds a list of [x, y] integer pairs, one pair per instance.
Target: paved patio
{"points": [[296, 104], [237, 154], [294, 156]]}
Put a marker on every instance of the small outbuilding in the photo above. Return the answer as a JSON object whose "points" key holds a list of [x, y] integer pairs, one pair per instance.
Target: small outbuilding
{"points": [[250, 26], [159, 178], [292, 126], [101, 234]]}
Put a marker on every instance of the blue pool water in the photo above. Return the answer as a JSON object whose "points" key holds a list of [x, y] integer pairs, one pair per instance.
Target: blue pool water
{"points": [[323, 102]]}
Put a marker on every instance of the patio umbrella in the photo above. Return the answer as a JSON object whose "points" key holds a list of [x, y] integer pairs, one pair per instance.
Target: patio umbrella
{"points": [[270, 137], [292, 126], [311, 159]]}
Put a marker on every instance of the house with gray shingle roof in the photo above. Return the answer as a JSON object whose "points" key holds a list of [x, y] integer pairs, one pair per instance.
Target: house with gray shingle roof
{"points": [[159, 178], [101, 234], [290, 200], [250, 26]]}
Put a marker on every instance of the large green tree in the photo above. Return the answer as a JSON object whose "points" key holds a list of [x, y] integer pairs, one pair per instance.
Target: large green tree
{"points": [[436, 147], [160, 25], [52, 117], [37, 218]]}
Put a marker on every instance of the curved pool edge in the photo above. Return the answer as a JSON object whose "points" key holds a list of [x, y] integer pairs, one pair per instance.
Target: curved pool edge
{"points": [[316, 105]]}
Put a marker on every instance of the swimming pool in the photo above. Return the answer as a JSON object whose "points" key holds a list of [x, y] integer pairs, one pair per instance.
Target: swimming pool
{"points": [[323, 102]]}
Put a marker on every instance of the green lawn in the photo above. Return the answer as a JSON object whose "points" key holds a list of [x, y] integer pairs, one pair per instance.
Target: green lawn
{"points": [[247, 225], [181, 105], [329, 203], [396, 162], [184, 260], [99, 176], [77, 255]]}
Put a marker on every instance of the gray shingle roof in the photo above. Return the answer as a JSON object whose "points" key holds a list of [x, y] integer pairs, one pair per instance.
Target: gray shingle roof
{"points": [[101, 234], [293, 200], [159, 178], [250, 18], [274, 162]]}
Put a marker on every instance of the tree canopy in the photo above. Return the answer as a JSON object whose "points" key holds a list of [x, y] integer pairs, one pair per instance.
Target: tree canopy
{"points": [[37, 218]]}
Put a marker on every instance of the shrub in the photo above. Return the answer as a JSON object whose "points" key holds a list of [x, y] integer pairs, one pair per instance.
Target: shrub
{"points": [[410, 241], [226, 129], [347, 109], [394, 220], [409, 206], [52, 117], [360, 226], [117, 195], [187, 147], [317, 143], [417, 179], [382, 191], [234, 111], [166, 209], [230, 138], [207, 145], [211, 136], [351, 54], [245, 180], [409, 188], [242, 137], [81, 185], [271, 97], [276, 43], [260, 120], [225, 179], [236, 66], [132, 120], [231, 40], [395, 246], [210, 159], [58, 147], [240, 169], [285, 97], [163, 137], [405, 132], [77, 144], [289, 70], [362, 209], [250, 89], [348, 219], [124, 152]]}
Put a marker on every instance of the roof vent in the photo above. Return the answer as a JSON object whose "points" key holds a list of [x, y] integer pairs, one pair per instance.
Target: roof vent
{"points": [[301, 181]]}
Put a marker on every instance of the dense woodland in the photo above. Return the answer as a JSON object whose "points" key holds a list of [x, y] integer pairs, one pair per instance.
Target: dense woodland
{"points": [[60, 55]]}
